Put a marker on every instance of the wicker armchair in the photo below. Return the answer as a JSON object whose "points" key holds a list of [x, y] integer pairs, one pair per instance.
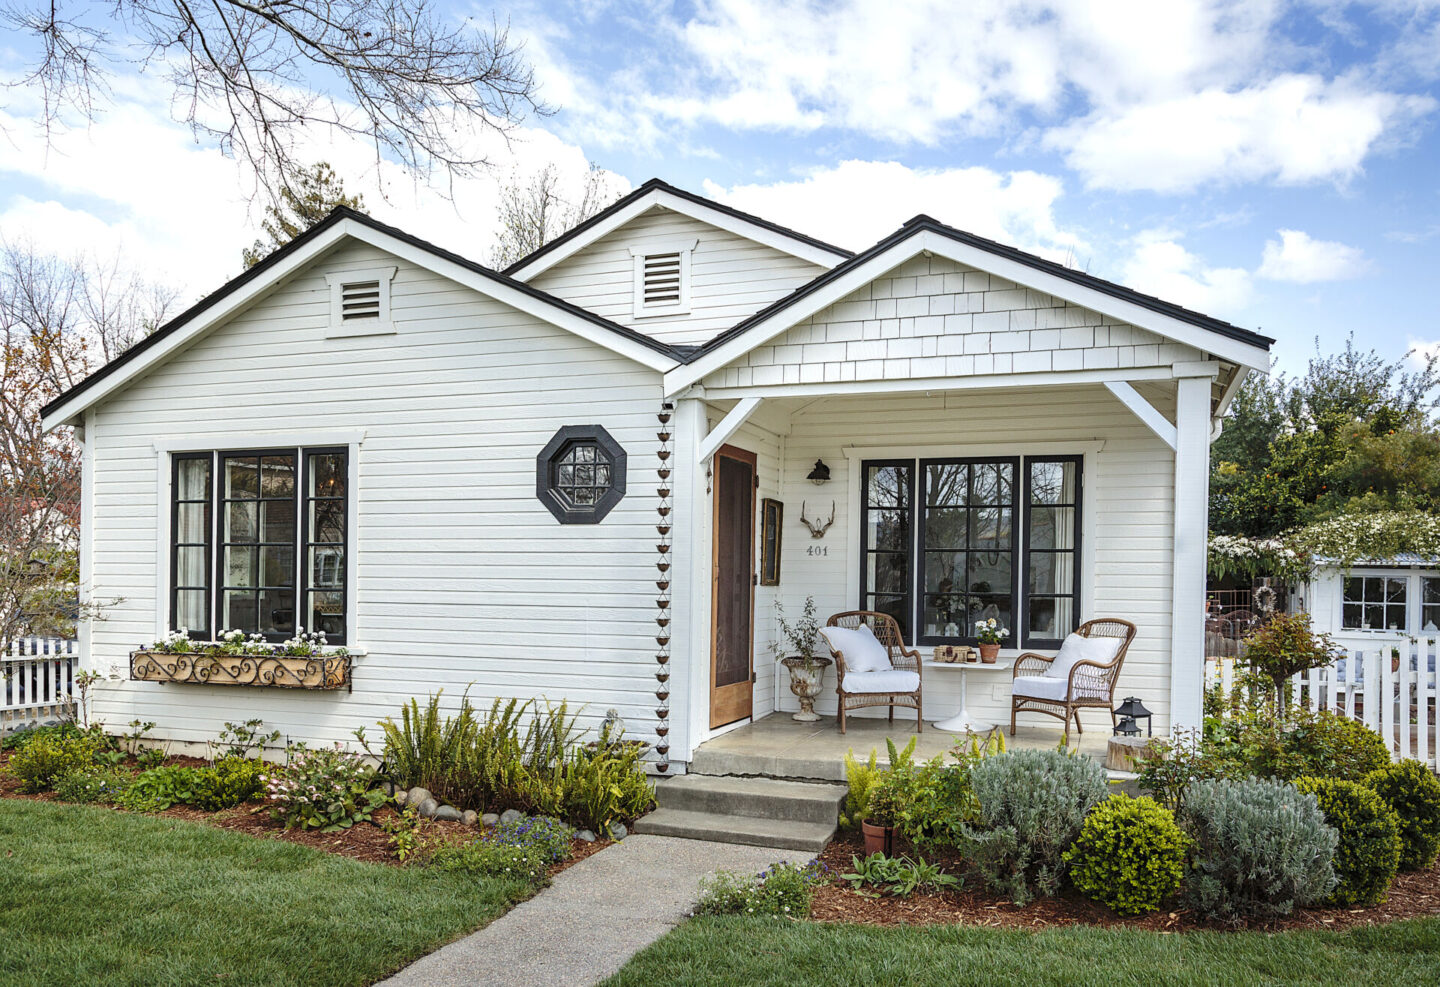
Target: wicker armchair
{"points": [[903, 659], [1090, 684]]}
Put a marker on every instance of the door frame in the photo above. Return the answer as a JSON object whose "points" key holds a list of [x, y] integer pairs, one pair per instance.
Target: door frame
{"points": [[725, 711]]}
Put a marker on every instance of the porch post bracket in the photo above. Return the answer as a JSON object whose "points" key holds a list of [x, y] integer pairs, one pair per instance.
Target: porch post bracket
{"points": [[1143, 410], [727, 426]]}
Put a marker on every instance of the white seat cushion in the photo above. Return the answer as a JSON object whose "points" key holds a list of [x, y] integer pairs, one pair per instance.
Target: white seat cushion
{"points": [[891, 680], [1039, 687], [862, 649], [1076, 648]]}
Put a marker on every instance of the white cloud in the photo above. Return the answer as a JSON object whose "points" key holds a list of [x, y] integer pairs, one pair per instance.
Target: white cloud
{"points": [[856, 203], [1422, 352], [1161, 266], [1300, 258]]}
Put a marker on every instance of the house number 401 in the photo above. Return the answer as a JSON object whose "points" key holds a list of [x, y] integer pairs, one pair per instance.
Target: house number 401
{"points": [[817, 550]]}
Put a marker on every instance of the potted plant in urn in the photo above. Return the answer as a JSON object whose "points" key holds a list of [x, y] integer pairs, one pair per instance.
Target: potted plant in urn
{"points": [[991, 633], [796, 651]]}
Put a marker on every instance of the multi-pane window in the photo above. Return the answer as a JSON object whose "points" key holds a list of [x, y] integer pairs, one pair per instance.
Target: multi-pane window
{"points": [[1430, 605], [582, 474], [278, 537], [1374, 603], [1052, 570], [886, 534], [968, 546], [943, 543]]}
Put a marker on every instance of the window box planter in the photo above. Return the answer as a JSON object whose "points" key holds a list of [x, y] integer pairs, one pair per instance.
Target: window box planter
{"points": [[262, 670]]}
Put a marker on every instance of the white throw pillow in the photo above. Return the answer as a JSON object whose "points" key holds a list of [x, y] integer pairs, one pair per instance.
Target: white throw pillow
{"points": [[862, 650], [1076, 648]]}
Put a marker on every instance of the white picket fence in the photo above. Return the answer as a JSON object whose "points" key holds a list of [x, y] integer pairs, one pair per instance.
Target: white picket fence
{"points": [[1393, 695], [38, 680]]}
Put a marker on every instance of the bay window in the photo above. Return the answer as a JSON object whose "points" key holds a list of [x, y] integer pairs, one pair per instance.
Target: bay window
{"points": [[946, 542], [259, 542]]}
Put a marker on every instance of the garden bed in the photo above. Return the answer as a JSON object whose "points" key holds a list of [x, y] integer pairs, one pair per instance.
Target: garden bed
{"points": [[1413, 895]]}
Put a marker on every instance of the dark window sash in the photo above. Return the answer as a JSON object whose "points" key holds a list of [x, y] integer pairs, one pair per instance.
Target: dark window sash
{"points": [[307, 542], [195, 633], [1023, 635], [871, 598]]}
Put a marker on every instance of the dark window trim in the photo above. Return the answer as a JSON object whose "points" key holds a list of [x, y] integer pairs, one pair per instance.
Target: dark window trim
{"points": [[866, 551], [562, 509], [1020, 539], [1024, 634], [918, 572], [306, 543], [195, 633]]}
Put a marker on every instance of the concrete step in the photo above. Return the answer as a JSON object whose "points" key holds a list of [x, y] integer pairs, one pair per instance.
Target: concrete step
{"points": [[759, 798], [809, 837]]}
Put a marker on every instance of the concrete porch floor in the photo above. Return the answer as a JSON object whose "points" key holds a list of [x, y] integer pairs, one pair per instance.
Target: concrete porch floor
{"points": [[777, 746]]}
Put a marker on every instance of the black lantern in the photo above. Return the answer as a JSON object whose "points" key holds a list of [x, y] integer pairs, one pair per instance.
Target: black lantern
{"points": [[820, 474], [1130, 712]]}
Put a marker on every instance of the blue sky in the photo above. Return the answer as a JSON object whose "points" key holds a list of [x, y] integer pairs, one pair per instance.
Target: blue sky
{"points": [[1272, 163]]}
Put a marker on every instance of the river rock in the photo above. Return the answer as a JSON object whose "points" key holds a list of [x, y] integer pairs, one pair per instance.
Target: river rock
{"points": [[429, 807], [401, 797], [585, 836], [489, 819], [447, 813], [469, 817], [618, 831], [417, 795], [511, 815]]}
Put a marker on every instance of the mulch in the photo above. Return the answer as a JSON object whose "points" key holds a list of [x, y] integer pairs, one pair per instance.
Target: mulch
{"points": [[1413, 895], [366, 842]]}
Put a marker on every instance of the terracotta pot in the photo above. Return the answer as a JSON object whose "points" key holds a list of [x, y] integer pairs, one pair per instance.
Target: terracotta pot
{"points": [[878, 839], [989, 652]]}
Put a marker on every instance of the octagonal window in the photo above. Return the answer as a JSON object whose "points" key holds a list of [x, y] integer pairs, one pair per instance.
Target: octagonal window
{"points": [[580, 474]]}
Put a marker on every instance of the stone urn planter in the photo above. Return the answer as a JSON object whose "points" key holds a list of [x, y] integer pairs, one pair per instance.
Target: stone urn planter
{"points": [[805, 684]]}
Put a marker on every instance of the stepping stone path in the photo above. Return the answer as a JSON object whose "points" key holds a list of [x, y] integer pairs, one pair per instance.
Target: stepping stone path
{"points": [[591, 920]]}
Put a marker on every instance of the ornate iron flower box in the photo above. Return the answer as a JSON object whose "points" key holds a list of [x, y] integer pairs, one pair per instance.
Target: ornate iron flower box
{"points": [[273, 671]]}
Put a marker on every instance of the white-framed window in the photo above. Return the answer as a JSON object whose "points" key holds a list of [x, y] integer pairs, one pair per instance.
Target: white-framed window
{"points": [[1375, 603], [360, 302], [662, 277]]}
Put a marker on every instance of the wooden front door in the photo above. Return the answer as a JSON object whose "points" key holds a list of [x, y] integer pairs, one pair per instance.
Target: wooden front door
{"points": [[732, 601]]}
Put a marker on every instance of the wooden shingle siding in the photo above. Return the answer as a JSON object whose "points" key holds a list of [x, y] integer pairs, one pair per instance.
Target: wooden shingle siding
{"points": [[731, 277], [463, 576], [932, 317]]}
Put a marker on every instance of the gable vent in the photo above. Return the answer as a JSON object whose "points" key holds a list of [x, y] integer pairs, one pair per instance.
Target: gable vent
{"points": [[662, 279], [360, 300]]}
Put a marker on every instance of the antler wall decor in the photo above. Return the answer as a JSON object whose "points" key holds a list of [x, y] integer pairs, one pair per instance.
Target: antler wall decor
{"points": [[817, 528]]}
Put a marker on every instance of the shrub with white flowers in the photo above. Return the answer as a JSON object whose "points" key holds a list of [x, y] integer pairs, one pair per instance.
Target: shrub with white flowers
{"points": [[1360, 538], [990, 631], [1247, 558], [783, 890], [237, 642], [325, 789]]}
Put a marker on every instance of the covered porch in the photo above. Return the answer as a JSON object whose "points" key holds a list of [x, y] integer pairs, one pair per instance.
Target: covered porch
{"points": [[777, 746]]}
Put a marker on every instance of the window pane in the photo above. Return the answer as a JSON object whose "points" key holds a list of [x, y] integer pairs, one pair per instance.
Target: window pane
{"points": [[947, 527], [324, 558], [946, 484], [193, 481], [277, 476], [190, 610], [279, 521], [327, 521], [888, 530], [327, 614], [1395, 590], [277, 565], [1053, 482], [1052, 572], [1355, 590], [989, 573], [277, 611], [1352, 616], [190, 569], [944, 572], [327, 475], [991, 484], [1051, 618], [1374, 617], [1052, 527], [192, 523], [239, 610], [327, 567], [242, 478], [240, 521], [889, 486], [240, 567], [887, 572], [945, 616], [1431, 590], [896, 606], [1052, 538], [990, 528]]}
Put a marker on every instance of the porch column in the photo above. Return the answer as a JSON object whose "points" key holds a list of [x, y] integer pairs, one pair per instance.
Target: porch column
{"points": [[1192, 505], [690, 661]]}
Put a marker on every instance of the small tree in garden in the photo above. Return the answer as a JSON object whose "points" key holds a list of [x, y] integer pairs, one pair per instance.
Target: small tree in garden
{"points": [[1284, 646]]}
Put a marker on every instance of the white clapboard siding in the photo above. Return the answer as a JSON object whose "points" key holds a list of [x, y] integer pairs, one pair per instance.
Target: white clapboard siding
{"points": [[1129, 501], [464, 578], [1392, 698], [731, 277], [932, 317], [37, 680]]}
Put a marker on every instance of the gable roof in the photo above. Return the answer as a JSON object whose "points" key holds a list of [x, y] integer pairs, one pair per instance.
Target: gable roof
{"points": [[344, 222], [1241, 346], [656, 193]]}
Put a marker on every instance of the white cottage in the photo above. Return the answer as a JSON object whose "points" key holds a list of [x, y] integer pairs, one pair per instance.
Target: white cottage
{"points": [[554, 480]]}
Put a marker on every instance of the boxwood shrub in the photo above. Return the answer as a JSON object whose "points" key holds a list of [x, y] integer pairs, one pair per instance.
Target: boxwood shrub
{"points": [[1130, 855], [1413, 792], [1369, 849], [1261, 849]]}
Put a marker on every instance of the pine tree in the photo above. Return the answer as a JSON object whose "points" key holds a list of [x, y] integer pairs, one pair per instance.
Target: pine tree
{"points": [[301, 206]]}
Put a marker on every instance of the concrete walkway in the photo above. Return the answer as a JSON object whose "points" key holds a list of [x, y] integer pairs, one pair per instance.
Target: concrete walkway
{"points": [[594, 917]]}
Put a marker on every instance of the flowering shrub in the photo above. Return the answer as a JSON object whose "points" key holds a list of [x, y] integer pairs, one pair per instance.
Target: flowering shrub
{"points": [[1353, 539], [237, 642], [990, 631], [1237, 555], [783, 890], [522, 849], [325, 789], [91, 785]]}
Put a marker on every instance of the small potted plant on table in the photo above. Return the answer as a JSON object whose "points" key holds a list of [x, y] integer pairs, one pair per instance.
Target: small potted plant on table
{"points": [[796, 652], [990, 633]]}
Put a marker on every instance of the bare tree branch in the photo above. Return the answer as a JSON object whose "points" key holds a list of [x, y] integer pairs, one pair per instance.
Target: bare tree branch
{"points": [[249, 75], [536, 208]]}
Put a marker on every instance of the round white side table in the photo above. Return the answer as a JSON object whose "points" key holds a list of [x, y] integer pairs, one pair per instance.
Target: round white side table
{"points": [[962, 720]]}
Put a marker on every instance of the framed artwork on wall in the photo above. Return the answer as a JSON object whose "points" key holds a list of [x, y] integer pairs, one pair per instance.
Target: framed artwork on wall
{"points": [[772, 513]]}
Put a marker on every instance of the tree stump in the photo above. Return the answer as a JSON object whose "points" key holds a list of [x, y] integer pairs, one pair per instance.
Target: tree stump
{"points": [[1121, 752]]}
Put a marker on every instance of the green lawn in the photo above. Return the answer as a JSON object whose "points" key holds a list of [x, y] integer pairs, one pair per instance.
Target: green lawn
{"points": [[707, 951], [94, 896]]}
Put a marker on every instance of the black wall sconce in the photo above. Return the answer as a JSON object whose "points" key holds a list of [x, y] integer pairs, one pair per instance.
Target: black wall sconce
{"points": [[820, 474]]}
